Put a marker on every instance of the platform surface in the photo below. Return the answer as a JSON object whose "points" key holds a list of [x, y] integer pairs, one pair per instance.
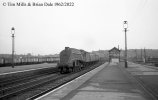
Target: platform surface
{"points": [[7, 70], [147, 75], [107, 82]]}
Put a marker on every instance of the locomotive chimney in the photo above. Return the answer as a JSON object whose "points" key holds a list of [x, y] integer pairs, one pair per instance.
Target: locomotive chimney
{"points": [[66, 48]]}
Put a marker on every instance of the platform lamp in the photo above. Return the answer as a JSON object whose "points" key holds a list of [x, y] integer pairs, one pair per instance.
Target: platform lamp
{"points": [[13, 32], [125, 26]]}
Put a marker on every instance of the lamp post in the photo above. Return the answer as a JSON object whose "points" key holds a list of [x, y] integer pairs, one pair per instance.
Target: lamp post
{"points": [[13, 32], [125, 26]]}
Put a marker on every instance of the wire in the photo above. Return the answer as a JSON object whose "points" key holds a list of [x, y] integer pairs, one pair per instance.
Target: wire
{"points": [[139, 11]]}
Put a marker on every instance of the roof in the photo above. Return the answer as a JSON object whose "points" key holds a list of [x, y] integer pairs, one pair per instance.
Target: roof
{"points": [[114, 49]]}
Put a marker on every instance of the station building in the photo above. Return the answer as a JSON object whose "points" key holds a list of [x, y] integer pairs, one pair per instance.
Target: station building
{"points": [[114, 55]]}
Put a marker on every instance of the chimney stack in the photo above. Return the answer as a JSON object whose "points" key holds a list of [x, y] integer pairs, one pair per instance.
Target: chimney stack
{"points": [[66, 48]]}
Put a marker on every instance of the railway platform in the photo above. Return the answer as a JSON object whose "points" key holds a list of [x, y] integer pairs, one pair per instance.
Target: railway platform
{"points": [[146, 75], [23, 68], [109, 81]]}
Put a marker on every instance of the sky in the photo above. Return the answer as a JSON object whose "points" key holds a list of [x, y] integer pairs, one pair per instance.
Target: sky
{"points": [[89, 25]]}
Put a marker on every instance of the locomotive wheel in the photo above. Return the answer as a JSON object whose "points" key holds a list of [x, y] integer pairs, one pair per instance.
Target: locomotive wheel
{"points": [[70, 69], [64, 70], [61, 70], [74, 69], [67, 70]]}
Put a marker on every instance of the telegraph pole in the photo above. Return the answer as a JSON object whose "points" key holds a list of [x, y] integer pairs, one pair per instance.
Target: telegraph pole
{"points": [[144, 55], [136, 55], [141, 55], [13, 32]]}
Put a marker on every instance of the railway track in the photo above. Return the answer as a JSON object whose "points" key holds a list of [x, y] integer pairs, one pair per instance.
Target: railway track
{"points": [[37, 86], [10, 79], [14, 81], [13, 85], [13, 90]]}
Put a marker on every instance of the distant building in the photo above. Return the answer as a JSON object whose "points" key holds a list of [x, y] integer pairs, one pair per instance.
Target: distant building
{"points": [[114, 55]]}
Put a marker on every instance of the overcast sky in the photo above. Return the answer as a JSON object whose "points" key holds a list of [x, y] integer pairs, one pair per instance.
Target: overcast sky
{"points": [[89, 25]]}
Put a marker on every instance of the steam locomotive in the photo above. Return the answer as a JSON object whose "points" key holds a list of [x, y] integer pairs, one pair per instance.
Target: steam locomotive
{"points": [[72, 59]]}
